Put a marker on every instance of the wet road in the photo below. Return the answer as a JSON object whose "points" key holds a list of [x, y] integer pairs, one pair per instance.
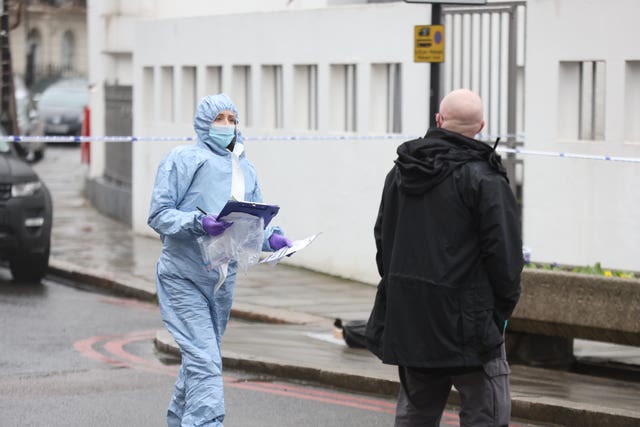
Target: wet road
{"points": [[76, 357], [46, 381], [72, 357]]}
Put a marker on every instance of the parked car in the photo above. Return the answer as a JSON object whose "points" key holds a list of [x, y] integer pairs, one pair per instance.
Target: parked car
{"points": [[61, 107], [25, 217]]}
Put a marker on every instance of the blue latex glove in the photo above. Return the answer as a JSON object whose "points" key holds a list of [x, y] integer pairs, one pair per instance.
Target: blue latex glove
{"points": [[213, 227], [278, 241]]}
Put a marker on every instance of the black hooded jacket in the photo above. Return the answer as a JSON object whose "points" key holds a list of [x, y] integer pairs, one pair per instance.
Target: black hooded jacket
{"points": [[449, 253]]}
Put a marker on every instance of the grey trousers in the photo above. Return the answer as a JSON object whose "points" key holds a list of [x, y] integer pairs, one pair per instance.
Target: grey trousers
{"points": [[485, 400]]}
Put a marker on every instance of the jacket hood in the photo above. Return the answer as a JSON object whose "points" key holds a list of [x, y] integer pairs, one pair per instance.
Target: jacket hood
{"points": [[425, 162], [208, 108]]}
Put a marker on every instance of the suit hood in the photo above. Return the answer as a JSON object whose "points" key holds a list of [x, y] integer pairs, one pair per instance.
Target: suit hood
{"points": [[208, 108]]}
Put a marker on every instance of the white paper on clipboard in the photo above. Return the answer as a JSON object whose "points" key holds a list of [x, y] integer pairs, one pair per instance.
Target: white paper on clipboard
{"points": [[296, 246]]}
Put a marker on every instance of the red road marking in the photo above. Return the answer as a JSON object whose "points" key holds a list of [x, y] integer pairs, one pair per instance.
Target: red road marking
{"points": [[116, 348], [320, 393], [86, 347], [338, 400], [117, 356]]}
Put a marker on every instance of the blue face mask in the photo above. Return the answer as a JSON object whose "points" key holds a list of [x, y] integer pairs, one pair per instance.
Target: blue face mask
{"points": [[222, 135]]}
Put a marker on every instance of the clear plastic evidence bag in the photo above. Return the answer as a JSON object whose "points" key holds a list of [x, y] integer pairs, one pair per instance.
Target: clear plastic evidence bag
{"points": [[242, 242]]}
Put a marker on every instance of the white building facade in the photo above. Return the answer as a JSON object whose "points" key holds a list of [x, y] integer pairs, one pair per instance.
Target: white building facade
{"points": [[583, 96], [322, 69], [56, 36]]}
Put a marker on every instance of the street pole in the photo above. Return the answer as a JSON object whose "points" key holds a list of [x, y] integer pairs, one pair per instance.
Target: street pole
{"points": [[434, 86]]}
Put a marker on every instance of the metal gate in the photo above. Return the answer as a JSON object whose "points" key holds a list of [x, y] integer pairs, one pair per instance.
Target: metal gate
{"points": [[118, 122], [484, 52]]}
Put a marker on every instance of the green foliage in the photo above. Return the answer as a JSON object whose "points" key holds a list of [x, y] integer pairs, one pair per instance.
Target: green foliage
{"points": [[595, 269]]}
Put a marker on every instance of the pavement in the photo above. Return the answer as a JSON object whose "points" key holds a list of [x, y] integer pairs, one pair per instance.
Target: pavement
{"points": [[283, 316]]}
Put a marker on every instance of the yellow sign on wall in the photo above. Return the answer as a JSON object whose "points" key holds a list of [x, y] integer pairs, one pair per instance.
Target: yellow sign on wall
{"points": [[428, 43]]}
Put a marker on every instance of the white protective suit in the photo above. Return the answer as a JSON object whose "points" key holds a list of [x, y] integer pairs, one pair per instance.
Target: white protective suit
{"points": [[198, 175]]}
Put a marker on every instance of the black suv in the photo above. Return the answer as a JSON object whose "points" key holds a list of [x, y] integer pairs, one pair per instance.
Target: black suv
{"points": [[25, 217]]}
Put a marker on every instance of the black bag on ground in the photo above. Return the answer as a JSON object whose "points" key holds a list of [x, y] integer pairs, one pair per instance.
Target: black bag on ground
{"points": [[352, 332]]}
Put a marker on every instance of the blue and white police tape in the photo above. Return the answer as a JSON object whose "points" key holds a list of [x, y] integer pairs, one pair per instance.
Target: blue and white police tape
{"points": [[68, 139], [343, 137], [569, 155]]}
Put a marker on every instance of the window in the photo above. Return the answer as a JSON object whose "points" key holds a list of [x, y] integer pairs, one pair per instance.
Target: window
{"points": [[241, 92], [68, 50], [213, 80], [34, 46], [148, 93], [305, 100], [34, 57], [632, 102], [271, 96], [581, 100], [386, 98], [188, 93], [343, 98], [166, 94]]}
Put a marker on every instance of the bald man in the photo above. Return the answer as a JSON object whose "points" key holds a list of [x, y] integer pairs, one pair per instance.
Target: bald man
{"points": [[449, 254], [461, 112]]}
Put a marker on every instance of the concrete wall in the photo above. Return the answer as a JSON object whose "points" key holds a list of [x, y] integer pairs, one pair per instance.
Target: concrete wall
{"points": [[582, 211], [575, 211], [609, 308], [111, 41], [324, 186]]}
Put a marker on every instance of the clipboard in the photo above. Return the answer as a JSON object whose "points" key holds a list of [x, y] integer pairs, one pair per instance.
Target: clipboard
{"points": [[266, 212]]}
